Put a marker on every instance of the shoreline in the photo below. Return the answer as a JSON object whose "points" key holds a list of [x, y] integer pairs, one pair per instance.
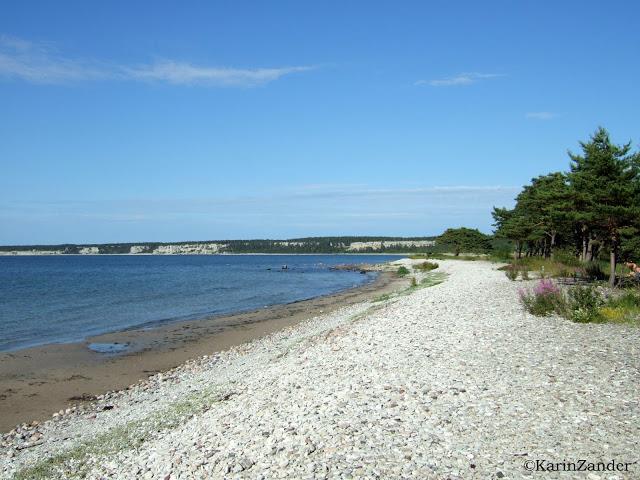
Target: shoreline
{"points": [[37, 381], [446, 380]]}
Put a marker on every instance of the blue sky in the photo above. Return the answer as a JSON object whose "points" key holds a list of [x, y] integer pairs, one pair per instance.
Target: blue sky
{"points": [[167, 121]]}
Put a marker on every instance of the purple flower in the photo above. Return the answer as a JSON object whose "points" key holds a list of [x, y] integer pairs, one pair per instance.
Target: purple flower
{"points": [[546, 287]]}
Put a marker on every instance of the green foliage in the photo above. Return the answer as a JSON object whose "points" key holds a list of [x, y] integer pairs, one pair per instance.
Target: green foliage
{"points": [[567, 257], [511, 271], [426, 266], [465, 240], [584, 304], [414, 283], [545, 299], [630, 299], [591, 212], [593, 271], [503, 254], [402, 271]]}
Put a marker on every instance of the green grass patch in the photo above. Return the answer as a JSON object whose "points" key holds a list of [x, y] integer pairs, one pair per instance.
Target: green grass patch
{"points": [[430, 280]]}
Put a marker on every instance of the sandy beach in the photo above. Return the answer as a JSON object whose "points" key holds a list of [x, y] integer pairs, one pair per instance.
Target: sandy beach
{"points": [[35, 382], [449, 381]]}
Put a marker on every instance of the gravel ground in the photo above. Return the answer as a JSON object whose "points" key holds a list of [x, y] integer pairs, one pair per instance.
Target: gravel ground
{"points": [[451, 381]]}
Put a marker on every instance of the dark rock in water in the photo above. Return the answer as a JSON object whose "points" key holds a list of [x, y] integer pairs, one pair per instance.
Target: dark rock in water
{"points": [[108, 347]]}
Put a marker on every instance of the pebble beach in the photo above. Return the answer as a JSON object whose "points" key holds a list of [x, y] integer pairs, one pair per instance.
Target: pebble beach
{"points": [[450, 381]]}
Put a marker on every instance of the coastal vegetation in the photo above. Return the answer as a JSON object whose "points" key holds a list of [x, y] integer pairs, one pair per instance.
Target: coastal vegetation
{"points": [[426, 266], [572, 230], [466, 240], [582, 303], [583, 217], [402, 271]]}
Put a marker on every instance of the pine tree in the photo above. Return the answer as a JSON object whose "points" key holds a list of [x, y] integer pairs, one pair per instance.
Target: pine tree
{"points": [[605, 186]]}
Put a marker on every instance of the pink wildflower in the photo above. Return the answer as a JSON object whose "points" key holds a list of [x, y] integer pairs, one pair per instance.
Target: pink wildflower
{"points": [[546, 287]]}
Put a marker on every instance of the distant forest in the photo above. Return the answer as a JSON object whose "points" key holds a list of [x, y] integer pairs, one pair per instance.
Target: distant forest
{"points": [[293, 245]]}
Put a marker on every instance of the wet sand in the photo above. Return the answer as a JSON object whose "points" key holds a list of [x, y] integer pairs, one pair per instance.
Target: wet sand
{"points": [[38, 381]]}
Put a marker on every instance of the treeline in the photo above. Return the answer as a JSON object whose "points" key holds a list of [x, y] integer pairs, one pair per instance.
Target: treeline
{"points": [[591, 211], [295, 245]]}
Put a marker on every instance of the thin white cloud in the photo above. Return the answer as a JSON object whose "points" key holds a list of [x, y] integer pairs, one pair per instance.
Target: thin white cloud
{"points": [[458, 80], [541, 115], [180, 73], [39, 63]]}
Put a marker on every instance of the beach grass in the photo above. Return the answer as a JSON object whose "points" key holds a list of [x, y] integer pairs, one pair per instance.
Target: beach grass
{"points": [[431, 279], [73, 463]]}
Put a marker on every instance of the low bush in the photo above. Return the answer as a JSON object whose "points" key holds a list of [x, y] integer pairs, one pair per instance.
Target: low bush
{"points": [[566, 257], [426, 266], [511, 271], [593, 271], [544, 299], [402, 271], [581, 304], [414, 283], [502, 254], [584, 304]]}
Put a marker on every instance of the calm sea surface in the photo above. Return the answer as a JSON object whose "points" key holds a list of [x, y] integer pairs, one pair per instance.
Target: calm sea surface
{"points": [[68, 298]]}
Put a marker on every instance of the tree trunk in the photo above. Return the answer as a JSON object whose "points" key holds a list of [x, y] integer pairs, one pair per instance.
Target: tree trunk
{"points": [[612, 263], [590, 255], [585, 242], [546, 249]]}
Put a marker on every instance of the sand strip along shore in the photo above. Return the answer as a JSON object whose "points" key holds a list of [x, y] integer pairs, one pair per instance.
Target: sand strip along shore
{"points": [[451, 381], [38, 381]]}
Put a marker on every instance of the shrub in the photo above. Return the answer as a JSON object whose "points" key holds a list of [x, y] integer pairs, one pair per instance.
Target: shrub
{"points": [[581, 304], [413, 282], [629, 300], [511, 271], [525, 274], [544, 299], [584, 304], [564, 272], [504, 254], [402, 271], [566, 257], [426, 266], [593, 271]]}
